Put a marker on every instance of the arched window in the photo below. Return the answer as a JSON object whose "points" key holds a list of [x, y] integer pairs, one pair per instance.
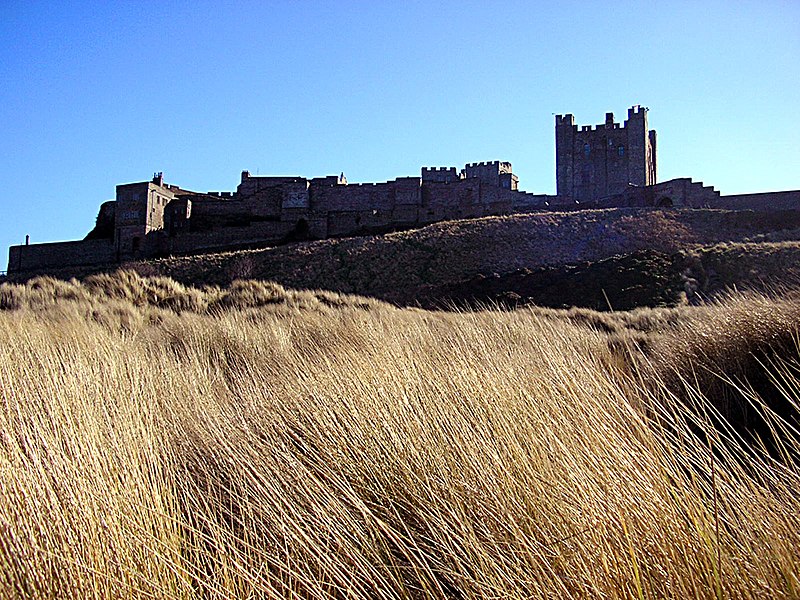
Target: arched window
{"points": [[587, 149]]}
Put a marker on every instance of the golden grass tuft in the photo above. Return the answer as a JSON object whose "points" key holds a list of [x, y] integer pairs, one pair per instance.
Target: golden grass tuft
{"points": [[172, 442]]}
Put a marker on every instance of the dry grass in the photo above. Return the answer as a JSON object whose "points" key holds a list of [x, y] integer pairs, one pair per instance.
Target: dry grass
{"points": [[162, 441]]}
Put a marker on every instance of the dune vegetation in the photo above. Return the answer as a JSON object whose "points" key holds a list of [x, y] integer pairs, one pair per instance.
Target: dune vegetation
{"points": [[163, 441]]}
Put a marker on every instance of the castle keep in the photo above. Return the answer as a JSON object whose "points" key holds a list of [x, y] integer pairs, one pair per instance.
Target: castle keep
{"points": [[601, 161], [603, 166]]}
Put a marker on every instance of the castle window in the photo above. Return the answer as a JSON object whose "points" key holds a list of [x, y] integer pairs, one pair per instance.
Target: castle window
{"points": [[587, 149], [621, 150]]}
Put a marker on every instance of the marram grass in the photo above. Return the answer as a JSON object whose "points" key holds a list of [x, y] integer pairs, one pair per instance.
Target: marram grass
{"points": [[164, 442]]}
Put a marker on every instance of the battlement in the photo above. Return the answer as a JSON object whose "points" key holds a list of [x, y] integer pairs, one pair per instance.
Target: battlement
{"points": [[440, 174], [491, 163], [636, 113], [567, 120], [369, 184], [488, 166], [328, 180], [494, 172], [637, 110], [601, 127]]}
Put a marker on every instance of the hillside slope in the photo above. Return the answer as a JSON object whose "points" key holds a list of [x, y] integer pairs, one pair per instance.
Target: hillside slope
{"points": [[402, 267], [595, 258]]}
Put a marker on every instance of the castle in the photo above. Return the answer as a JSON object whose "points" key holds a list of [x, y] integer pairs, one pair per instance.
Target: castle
{"points": [[602, 166]]}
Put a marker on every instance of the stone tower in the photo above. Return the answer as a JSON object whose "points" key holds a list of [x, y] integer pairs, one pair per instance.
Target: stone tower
{"points": [[593, 162], [139, 212]]}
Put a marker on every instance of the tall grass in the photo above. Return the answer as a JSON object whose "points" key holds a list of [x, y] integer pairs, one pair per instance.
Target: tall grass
{"points": [[310, 445]]}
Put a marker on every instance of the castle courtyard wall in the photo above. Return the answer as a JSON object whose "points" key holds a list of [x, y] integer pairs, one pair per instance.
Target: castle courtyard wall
{"points": [[526, 202], [264, 204]]}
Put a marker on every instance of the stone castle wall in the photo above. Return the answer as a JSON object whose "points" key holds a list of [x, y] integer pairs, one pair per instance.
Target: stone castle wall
{"points": [[763, 201], [254, 235], [338, 211], [35, 257]]}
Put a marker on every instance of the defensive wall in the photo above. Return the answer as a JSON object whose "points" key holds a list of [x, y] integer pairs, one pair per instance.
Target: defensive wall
{"points": [[762, 201], [35, 257], [677, 193], [152, 218], [603, 166]]}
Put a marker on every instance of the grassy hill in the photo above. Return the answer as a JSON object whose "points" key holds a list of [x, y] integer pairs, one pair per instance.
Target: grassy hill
{"points": [[238, 438], [158, 440], [408, 268]]}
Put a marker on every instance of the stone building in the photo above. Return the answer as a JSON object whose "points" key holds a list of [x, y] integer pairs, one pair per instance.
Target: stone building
{"points": [[152, 218], [594, 162], [139, 211]]}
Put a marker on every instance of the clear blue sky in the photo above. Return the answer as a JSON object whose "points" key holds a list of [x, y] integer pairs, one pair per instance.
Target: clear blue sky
{"points": [[99, 93]]}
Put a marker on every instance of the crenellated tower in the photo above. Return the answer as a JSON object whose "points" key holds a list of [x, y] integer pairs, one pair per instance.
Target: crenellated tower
{"points": [[594, 162]]}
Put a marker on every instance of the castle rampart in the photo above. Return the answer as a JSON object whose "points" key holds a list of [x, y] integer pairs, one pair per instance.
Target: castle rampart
{"points": [[152, 218], [35, 257], [495, 173], [786, 200]]}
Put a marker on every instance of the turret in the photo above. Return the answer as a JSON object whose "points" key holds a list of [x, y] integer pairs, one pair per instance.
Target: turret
{"points": [[565, 141]]}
